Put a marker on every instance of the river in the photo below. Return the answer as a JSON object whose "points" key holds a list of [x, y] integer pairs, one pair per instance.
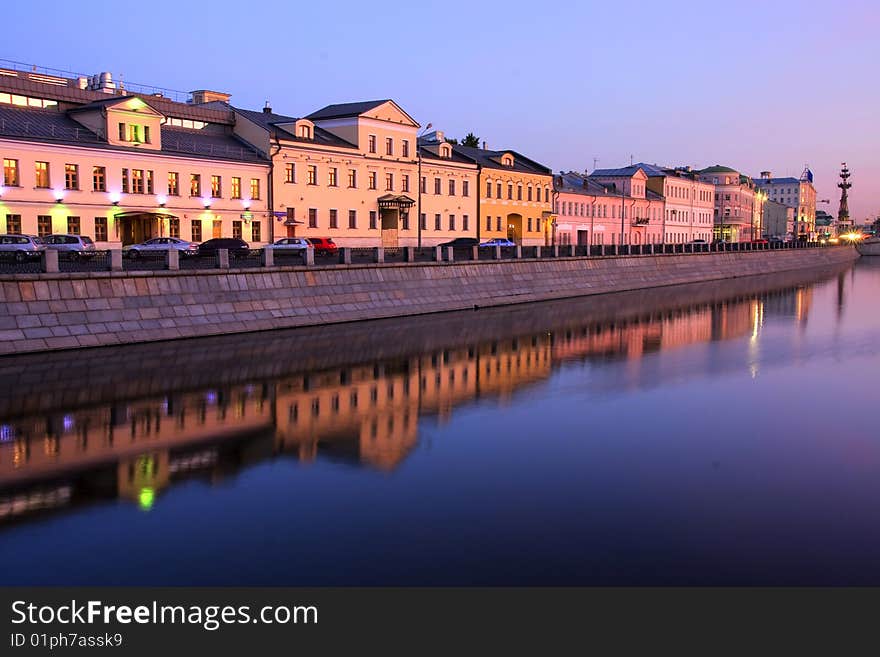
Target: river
{"points": [[718, 433]]}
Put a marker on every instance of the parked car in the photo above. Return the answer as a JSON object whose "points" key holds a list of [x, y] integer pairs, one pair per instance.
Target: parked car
{"points": [[160, 245], [79, 246], [699, 241], [324, 246], [497, 241], [295, 245], [237, 248], [460, 242], [759, 241], [24, 247]]}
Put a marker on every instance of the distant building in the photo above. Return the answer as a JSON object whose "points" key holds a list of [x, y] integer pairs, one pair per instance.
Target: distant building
{"points": [[798, 194], [777, 220], [737, 215], [824, 223], [610, 209]]}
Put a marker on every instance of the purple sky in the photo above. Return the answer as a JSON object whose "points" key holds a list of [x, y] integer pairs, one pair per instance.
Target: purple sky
{"points": [[753, 85]]}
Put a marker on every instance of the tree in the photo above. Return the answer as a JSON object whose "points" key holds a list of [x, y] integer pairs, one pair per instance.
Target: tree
{"points": [[452, 140], [470, 139]]}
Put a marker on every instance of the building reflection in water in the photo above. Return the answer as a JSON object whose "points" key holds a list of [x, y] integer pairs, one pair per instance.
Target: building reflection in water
{"points": [[366, 414]]}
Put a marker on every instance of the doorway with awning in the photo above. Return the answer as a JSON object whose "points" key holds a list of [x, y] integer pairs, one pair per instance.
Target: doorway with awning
{"points": [[136, 227], [392, 209]]}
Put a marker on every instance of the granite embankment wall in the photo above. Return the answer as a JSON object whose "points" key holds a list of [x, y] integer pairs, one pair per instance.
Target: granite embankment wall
{"points": [[64, 311]]}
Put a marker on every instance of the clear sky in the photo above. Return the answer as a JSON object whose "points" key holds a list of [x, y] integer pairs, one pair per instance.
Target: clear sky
{"points": [[753, 85]]}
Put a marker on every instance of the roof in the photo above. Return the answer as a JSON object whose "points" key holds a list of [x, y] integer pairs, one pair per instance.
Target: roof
{"points": [[271, 121], [777, 181], [624, 172], [429, 151], [490, 160], [52, 126], [343, 110], [718, 169], [573, 183]]}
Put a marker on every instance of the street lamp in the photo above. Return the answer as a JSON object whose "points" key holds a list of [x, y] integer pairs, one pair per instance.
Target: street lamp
{"points": [[419, 183]]}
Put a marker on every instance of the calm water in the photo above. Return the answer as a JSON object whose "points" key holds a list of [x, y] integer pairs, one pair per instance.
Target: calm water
{"points": [[719, 433]]}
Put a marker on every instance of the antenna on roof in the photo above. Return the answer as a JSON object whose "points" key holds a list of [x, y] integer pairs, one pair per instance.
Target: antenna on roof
{"points": [[630, 159], [595, 162]]}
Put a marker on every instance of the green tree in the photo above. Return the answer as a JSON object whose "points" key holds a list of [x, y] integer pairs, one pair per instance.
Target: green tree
{"points": [[452, 140], [470, 139]]}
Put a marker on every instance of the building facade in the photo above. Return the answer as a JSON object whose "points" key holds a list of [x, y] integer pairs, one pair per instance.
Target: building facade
{"points": [[121, 167], [796, 193], [778, 219], [613, 208], [689, 203], [514, 196], [737, 215]]}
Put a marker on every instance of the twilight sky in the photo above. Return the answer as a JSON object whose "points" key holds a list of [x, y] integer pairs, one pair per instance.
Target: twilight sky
{"points": [[752, 85]]}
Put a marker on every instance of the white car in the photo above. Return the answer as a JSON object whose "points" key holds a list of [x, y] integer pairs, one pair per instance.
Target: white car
{"points": [[23, 247], [289, 245], [160, 245], [77, 245], [497, 241]]}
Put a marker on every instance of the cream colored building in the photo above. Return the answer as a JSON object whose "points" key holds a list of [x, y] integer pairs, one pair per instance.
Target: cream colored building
{"points": [[122, 168]]}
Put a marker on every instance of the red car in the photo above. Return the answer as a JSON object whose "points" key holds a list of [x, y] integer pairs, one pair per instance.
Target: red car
{"points": [[324, 246]]}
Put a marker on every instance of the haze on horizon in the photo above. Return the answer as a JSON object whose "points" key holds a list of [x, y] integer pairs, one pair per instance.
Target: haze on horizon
{"points": [[753, 85]]}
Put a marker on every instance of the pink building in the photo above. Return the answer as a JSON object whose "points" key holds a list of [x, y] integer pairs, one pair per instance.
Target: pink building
{"points": [[612, 206]]}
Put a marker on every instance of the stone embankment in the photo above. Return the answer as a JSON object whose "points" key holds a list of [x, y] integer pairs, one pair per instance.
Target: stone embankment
{"points": [[70, 310]]}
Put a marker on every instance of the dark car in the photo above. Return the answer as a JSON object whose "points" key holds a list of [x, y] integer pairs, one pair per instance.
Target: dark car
{"points": [[324, 246], [237, 248], [459, 242]]}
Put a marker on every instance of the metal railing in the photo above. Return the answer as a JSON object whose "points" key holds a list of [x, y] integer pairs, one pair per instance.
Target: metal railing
{"points": [[116, 260]]}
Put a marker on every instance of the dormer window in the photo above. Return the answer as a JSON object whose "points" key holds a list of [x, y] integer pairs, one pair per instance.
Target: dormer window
{"points": [[134, 133], [305, 129], [507, 160], [445, 150]]}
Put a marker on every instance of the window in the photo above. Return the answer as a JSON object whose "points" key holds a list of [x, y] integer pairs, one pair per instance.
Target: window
{"points": [[389, 146], [13, 223], [313, 217], [305, 132], [216, 187], [519, 192], [423, 221], [73, 226], [437, 222], [530, 225], [452, 222], [174, 227], [371, 143], [71, 176], [195, 184], [465, 223], [389, 182], [404, 183], [121, 132], [331, 177], [125, 181], [100, 229], [546, 195], [352, 219], [498, 190], [10, 173], [218, 228], [236, 187], [423, 182], [465, 188], [236, 229], [372, 219], [196, 230], [334, 219], [488, 223], [313, 174], [498, 224], [451, 187], [137, 181], [488, 189], [41, 170], [99, 179], [44, 225], [404, 218], [509, 191], [149, 181], [371, 180], [290, 172], [437, 184], [173, 184], [404, 148], [256, 232], [352, 179], [255, 189]]}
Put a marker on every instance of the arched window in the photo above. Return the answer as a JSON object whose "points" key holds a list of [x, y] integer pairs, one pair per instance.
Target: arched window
{"points": [[507, 160]]}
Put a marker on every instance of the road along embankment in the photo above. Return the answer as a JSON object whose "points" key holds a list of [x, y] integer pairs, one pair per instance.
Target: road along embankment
{"points": [[42, 312]]}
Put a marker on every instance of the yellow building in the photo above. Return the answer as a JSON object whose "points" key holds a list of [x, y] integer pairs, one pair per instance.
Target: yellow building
{"points": [[515, 196]]}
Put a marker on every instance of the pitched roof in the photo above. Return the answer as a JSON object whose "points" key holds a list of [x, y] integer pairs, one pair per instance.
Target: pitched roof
{"points": [[617, 173], [343, 110], [271, 121], [430, 151], [491, 160], [52, 126]]}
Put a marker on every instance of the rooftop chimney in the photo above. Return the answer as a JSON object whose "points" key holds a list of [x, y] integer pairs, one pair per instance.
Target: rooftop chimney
{"points": [[267, 109], [766, 174], [484, 145]]}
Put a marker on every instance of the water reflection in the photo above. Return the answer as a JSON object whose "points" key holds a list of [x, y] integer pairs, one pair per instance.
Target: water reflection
{"points": [[99, 430]]}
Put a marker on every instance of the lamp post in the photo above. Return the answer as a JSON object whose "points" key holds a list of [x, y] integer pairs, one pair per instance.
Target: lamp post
{"points": [[419, 183]]}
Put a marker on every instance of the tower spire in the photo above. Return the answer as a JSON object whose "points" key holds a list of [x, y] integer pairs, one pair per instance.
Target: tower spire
{"points": [[844, 184]]}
